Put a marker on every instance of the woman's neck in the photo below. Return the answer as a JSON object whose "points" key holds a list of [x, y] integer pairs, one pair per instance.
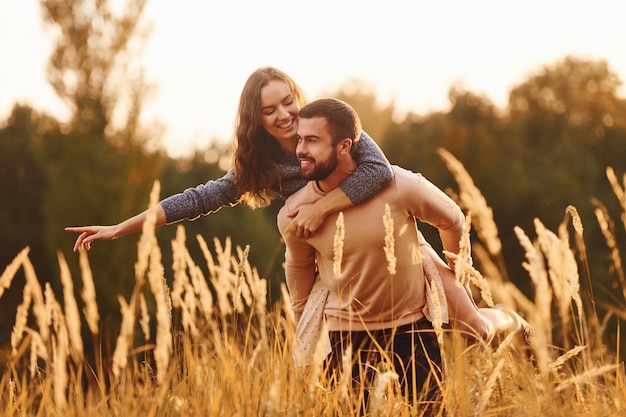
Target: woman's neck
{"points": [[288, 145]]}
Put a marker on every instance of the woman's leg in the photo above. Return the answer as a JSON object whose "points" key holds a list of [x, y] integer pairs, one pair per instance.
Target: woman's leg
{"points": [[311, 344], [465, 316]]}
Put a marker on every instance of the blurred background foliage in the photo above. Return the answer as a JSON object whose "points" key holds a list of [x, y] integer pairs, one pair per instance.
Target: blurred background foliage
{"points": [[549, 148]]}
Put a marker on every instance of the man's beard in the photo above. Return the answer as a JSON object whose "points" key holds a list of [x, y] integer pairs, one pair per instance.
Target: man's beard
{"points": [[323, 169]]}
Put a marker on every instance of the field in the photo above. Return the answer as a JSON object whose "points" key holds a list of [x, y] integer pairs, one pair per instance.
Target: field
{"points": [[212, 346]]}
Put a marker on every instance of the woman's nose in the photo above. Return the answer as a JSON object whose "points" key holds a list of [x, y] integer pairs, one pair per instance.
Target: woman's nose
{"points": [[283, 112]]}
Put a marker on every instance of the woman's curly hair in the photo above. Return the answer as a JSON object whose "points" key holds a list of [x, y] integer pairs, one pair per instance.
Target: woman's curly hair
{"points": [[257, 173]]}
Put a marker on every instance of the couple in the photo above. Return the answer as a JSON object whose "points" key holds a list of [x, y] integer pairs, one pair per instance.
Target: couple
{"points": [[266, 167]]}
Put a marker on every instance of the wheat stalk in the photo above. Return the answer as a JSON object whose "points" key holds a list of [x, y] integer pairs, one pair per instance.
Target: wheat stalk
{"points": [[124, 338], [72, 317], [618, 191], [92, 316], [472, 200], [340, 234], [389, 241], [39, 305], [563, 269], [488, 388], [60, 350], [607, 228], [540, 317], [21, 319], [11, 269], [144, 316], [243, 256]]}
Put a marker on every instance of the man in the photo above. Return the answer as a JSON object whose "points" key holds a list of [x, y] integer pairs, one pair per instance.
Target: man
{"points": [[377, 290]]}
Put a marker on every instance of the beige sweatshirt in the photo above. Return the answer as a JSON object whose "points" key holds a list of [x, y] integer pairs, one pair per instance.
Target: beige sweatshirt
{"points": [[365, 295]]}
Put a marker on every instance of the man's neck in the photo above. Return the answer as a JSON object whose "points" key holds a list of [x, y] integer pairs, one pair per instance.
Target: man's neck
{"points": [[343, 171]]}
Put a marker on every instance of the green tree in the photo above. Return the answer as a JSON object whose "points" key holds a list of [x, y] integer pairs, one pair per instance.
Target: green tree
{"points": [[548, 150], [376, 118], [563, 120], [22, 190], [92, 67], [572, 93], [98, 168]]}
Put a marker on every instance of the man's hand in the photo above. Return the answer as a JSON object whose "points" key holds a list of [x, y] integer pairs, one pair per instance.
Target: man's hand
{"points": [[305, 221]]}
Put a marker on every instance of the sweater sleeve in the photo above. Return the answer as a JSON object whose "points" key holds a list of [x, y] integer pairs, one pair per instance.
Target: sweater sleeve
{"points": [[372, 174], [201, 200], [428, 203], [300, 264]]}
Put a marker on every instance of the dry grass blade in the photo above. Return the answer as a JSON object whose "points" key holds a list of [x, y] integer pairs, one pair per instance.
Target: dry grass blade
{"points": [[72, 317], [92, 316], [340, 234], [389, 241], [463, 265], [472, 200], [560, 361], [540, 316], [21, 320], [489, 388], [587, 377], [11, 269], [618, 190], [607, 227]]}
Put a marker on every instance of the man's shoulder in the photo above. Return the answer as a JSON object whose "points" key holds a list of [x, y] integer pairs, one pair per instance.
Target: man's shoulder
{"points": [[403, 177], [305, 195], [404, 173]]}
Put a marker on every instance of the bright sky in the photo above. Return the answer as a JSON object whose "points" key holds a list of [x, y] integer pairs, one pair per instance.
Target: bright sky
{"points": [[201, 52]]}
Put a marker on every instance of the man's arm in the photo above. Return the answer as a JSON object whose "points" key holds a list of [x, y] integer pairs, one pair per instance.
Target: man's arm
{"points": [[427, 202], [299, 264]]}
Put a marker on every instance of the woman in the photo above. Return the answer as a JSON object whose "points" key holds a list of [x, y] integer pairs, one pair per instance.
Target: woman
{"points": [[266, 167]]}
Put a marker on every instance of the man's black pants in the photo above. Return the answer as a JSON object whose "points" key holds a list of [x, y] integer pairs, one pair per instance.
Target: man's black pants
{"points": [[412, 349]]}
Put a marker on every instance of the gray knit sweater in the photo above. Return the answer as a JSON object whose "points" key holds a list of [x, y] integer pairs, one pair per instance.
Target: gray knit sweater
{"points": [[372, 174]]}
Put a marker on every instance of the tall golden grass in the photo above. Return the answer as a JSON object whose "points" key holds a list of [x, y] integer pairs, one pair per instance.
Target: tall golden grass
{"points": [[220, 350]]}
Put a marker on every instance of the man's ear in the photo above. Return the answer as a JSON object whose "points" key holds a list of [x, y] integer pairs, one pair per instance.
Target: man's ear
{"points": [[346, 145]]}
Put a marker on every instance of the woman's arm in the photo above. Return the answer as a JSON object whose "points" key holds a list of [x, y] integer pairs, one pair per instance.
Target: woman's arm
{"points": [[132, 225], [190, 204], [372, 174], [201, 200]]}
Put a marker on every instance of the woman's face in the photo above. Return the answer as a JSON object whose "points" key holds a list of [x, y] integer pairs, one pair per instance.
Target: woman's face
{"points": [[279, 113]]}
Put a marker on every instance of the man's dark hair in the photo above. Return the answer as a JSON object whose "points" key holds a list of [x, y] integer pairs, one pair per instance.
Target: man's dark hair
{"points": [[343, 121]]}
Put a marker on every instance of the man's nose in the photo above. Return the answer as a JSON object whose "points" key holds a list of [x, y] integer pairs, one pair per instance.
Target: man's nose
{"points": [[300, 148]]}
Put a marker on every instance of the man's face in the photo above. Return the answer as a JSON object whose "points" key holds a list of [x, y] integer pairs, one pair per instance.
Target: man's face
{"points": [[317, 154]]}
